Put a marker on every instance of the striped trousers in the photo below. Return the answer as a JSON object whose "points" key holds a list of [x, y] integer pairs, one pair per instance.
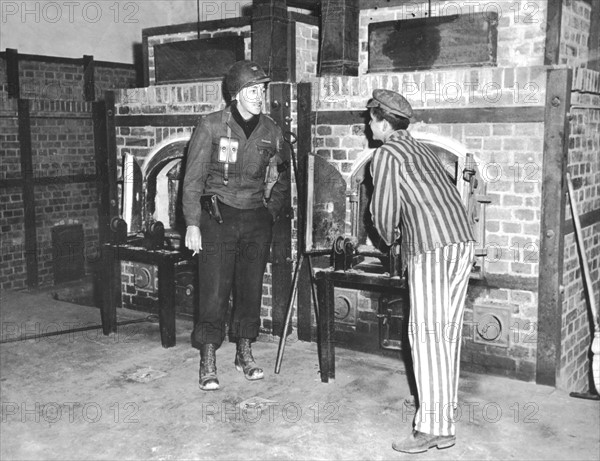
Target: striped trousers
{"points": [[438, 285]]}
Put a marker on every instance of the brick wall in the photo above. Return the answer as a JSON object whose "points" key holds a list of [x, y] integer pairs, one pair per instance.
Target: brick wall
{"points": [[9, 126], [51, 80], [196, 98], [12, 261], [584, 167], [62, 138], [307, 49], [62, 79], [62, 144], [575, 32], [109, 77]]}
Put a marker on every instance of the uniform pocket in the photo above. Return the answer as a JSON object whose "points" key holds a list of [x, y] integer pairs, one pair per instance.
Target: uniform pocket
{"points": [[214, 153], [259, 167]]}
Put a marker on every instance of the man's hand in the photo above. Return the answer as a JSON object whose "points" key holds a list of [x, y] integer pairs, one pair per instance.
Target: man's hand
{"points": [[193, 239]]}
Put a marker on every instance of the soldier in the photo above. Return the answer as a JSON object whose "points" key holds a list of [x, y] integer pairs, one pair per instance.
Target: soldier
{"points": [[234, 169], [413, 196]]}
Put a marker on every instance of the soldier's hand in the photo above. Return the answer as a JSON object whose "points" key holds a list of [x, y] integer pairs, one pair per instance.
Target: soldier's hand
{"points": [[193, 239]]}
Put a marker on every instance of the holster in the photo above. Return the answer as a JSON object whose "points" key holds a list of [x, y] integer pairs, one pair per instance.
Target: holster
{"points": [[210, 203]]}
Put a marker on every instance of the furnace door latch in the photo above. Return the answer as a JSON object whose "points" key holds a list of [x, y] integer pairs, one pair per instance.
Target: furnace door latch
{"points": [[392, 325], [390, 336]]}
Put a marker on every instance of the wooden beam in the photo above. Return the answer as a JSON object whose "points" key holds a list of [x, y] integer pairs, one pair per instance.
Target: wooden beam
{"points": [[553, 30], [556, 137], [100, 153], [105, 145], [68, 61], [145, 60], [158, 120], [304, 147], [513, 114], [313, 5], [326, 327], [376, 4], [588, 219], [12, 73], [281, 262], [115, 65], [271, 45], [48, 180], [304, 18], [594, 47], [109, 269], [291, 60], [10, 183], [89, 82], [65, 179], [506, 282], [213, 25], [31, 262], [339, 38], [111, 154]]}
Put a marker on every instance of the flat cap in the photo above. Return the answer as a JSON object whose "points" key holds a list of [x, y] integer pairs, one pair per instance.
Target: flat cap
{"points": [[392, 102]]}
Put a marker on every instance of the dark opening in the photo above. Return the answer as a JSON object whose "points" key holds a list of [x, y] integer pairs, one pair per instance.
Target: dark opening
{"points": [[67, 252]]}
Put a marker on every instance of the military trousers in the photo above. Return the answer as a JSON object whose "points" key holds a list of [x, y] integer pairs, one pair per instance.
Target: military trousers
{"points": [[231, 265]]}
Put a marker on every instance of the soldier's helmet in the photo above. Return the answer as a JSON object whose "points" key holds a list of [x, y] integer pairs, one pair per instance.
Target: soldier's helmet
{"points": [[243, 74]]}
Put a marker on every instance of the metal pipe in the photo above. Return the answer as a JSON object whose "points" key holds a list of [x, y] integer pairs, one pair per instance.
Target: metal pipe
{"points": [[151, 318], [288, 316]]}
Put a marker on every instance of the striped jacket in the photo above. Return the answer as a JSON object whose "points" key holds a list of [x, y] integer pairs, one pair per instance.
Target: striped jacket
{"points": [[412, 191]]}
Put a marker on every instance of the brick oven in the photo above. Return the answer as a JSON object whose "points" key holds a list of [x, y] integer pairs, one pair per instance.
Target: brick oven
{"points": [[507, 90], [151, 195]]}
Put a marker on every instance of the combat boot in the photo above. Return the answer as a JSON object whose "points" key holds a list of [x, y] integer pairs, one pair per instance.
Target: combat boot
{"points": [[244, 361], [208, 368]]}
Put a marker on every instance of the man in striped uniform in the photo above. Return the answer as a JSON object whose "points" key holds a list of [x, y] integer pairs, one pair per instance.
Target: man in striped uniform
{"points": [[414, 198]]}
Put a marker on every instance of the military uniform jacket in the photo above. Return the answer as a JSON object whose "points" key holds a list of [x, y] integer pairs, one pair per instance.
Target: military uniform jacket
{"points": [[204, 174]]}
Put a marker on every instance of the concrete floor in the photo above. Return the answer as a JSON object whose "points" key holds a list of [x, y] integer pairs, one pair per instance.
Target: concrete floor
{"points": [[89, 396]]}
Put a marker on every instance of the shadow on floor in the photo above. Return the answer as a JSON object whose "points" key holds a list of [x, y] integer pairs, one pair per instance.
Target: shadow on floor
{"points": [[123, 396]]}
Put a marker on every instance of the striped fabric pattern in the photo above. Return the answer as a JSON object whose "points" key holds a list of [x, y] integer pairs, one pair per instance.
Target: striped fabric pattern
{"points": [[413, 190], [438, 285]]}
